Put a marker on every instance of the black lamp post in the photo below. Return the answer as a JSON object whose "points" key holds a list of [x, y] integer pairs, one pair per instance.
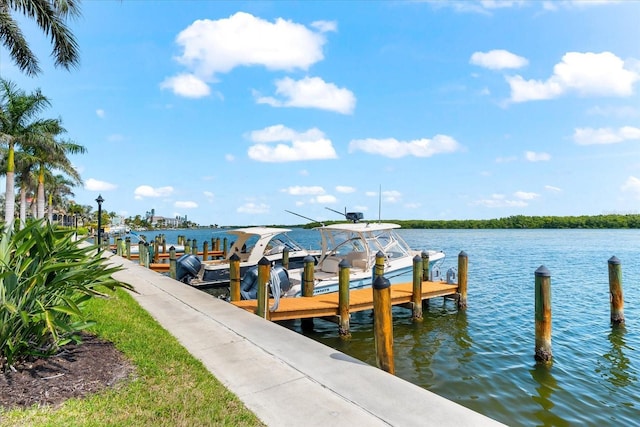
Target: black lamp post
{"points": [[99, 200]]}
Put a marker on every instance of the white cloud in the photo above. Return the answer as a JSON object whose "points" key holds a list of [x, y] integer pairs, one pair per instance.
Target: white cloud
{"points": [[506, 159], [632, 185], [309, 145], [208, 195], [537, 157], [311, 92], [486, 7], [100, 113], [210, 47], [523, 195], [96, 185], [552, 188], [500, 201], [148, 191], [590, 136], [498, 59], [326, 199], [393, 148], [587, 74], [253, 208], [185, 204], [186, 85], [229, 157], [345, 189], [392, 196], [611, 111], [116, 137], [304, 191]]}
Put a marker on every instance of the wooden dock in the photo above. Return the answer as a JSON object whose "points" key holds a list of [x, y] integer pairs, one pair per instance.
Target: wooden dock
{"points": [[326, 305]]}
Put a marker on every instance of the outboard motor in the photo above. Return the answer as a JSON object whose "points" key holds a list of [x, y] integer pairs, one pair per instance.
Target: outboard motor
{"points": [[249, 283], [187, 268]]}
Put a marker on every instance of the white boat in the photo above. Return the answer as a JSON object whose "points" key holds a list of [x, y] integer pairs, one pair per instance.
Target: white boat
{"points": [[251, 244], [358, 243]]}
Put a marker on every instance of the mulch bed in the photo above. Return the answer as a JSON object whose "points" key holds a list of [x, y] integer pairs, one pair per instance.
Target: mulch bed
{"points": [[78, 370]]}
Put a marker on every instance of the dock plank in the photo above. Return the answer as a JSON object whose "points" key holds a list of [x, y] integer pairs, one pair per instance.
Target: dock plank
{"points": [[359, 299]]}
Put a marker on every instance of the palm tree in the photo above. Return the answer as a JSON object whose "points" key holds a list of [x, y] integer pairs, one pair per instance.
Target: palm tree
{"points": [[59, 190], [51, 17], [19, 123]]}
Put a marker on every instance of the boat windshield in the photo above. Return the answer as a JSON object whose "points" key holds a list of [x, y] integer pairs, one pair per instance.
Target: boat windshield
{"points": [[342, 242]]}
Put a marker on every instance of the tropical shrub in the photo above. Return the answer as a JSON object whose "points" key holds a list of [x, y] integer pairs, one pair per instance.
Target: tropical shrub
{"points": [[46, 276]]}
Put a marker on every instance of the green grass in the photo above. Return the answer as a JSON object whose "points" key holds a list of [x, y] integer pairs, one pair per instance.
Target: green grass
{"points": [[170, 387]]}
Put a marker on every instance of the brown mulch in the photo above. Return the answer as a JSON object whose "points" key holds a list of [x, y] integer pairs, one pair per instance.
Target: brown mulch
{"points": [[76, 371]]}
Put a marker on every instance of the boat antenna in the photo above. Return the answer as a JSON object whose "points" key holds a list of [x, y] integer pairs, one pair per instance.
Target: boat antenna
{"points": [[307, 218], [379, 203], [338, 212]]}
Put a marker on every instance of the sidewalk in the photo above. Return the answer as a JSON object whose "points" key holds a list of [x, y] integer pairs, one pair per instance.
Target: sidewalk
{"points": [[285, 378]]}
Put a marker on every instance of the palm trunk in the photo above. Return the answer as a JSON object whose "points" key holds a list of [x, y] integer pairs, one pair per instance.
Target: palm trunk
{"points": [[10, 197], [40, 193], [50, 209], [23, 206]]}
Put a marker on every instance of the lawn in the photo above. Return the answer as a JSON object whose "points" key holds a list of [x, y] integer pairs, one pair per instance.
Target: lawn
{"points": [[170, 387]]}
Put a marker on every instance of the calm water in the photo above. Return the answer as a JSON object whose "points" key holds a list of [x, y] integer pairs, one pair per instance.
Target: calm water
{"points": [[483, 358]]}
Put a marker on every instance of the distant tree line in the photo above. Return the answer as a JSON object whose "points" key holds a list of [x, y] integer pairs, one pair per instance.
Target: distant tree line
{"points": [[522, 221], [519, 221]]}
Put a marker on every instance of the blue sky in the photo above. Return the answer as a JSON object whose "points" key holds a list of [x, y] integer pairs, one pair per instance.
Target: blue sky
{"points": [[233, 112]]}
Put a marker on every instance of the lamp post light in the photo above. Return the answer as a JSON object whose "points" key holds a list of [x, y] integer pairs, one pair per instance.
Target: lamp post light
{"points": [[99, 200]]}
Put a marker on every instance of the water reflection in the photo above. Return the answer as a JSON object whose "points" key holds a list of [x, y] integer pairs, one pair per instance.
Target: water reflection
{"points": [[546, 386], [614, 366]]}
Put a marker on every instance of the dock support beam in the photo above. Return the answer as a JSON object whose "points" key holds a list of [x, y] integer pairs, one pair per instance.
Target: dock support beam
{"points": [[463, 262], [307, 288], [173, 264], [615, 291], [264, 274], [416, 298], [543, 315], [234, 277], [343, 299], [383, 324]]}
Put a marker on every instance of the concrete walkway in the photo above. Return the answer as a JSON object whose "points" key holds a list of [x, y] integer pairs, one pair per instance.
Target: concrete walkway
{"points": [[285, 378]]}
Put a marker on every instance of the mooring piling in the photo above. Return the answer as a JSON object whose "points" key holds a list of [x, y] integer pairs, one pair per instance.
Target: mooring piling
{"points": [[234, 276], [416, 299], [383, 324], [543, 352], [463, 262], [615, 291], [173, 262], [343, 299], [264, 274]]}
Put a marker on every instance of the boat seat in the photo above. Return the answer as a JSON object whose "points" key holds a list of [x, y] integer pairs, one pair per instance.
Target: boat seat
{"points": [[357, 260], [331, 265]]}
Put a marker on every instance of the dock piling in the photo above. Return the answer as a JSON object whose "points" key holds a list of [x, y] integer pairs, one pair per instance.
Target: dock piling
{"points": [[416, 299], [173, 264], [425, 265], [234, 277], [383, 324], [285, 258], [307, 287], [615, 291], [463, 262], [343, 299], [543, 315], [378, 270], [264, 274]]}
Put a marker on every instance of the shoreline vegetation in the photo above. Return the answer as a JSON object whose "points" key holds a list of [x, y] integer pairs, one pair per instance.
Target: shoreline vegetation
{"points": [[607, 221]]}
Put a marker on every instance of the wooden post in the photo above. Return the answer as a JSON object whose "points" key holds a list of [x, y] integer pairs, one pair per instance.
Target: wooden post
{"points": [[146, 254], [187, 247], [194, 247], [463, 262], [264, 274], [615, 291], [140, 252], [156, 251], [416, 297], [224, 246], [164, 244], [127, 247], [234, 277], [119, 246], [343, 299], [425, 266], [543, 315], [383, 324], [285, 258], [307, 288], [378, 270], [205, 250], [172, 262]]}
